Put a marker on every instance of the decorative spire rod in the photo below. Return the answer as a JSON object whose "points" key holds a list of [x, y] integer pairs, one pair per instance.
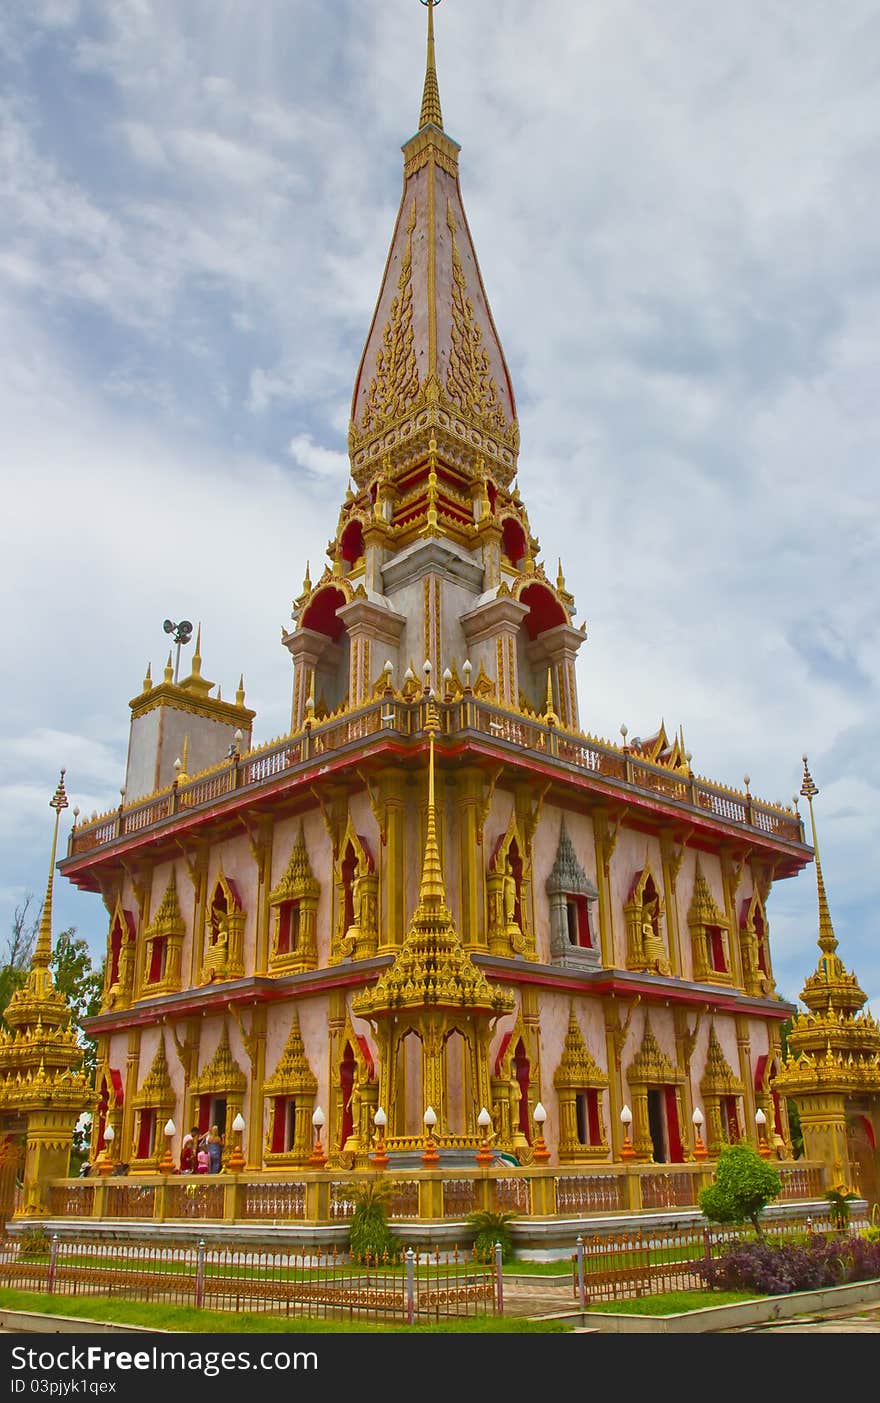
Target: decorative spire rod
{"points": [[827, 939], [431, 111], [431, 891], [43, 949]]}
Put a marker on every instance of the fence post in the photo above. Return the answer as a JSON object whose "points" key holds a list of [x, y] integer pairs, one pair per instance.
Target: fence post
{"points": [[200, 1275], [53, 1262], [410, 1285], [499, 1279], [582, 1284]]}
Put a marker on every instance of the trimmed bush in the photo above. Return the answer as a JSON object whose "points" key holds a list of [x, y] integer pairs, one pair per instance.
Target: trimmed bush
{"points": [[492, 1228], [774, 1270]]}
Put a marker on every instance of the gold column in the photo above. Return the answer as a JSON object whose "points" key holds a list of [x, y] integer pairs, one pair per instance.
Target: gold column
{"points": [[123, 1146], [256, 1050], [731, 872], [747, 1077], [671, 862], [685, 1040], [469, 803], [393, 919], [605, 839]]}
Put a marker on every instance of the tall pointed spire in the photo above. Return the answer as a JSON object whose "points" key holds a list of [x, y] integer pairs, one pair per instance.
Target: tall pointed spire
{"points": [[431, 111], [827, 939], [43, 949], [431, 890]]}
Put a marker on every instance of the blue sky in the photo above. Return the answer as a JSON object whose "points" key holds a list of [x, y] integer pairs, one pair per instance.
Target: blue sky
{"points": [[676, 214]]}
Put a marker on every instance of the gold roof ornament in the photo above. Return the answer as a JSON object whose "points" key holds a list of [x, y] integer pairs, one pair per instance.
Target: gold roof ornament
{"points": [[577, 1067], [719, 1078], [293, 1075], [431, 113], [156, 1089], [432, 969], [222, 1073]]}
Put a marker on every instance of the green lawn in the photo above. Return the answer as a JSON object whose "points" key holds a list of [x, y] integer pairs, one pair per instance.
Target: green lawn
{"points": [[189, 1321], [673, 1302]]}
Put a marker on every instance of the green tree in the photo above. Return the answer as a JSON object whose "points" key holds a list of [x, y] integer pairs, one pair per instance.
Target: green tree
{"points": [[18, 951], [744, 1185], [369, 1232], [82, 986], [491, 1228]]}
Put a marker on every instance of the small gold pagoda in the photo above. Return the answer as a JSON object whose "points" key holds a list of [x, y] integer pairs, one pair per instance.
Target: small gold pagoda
{"points": [[832, 1067], [40, 1058]]}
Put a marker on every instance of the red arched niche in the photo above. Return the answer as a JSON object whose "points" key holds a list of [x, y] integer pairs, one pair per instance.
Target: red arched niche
{"points": [[545, 611], [513, 540], [320, 614], [352, 543]]}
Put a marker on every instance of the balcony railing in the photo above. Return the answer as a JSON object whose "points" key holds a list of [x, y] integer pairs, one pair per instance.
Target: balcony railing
{"points": [[466, 716]]}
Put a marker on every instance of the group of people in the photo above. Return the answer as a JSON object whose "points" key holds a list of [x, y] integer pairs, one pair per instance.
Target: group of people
{"points": [[201, 1153]]}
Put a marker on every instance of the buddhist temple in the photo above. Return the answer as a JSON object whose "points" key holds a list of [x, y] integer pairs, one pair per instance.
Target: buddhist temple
{"points": [[438, 926]]}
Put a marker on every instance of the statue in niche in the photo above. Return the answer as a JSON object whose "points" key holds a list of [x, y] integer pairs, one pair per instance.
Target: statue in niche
{"points": [[652, 942]]}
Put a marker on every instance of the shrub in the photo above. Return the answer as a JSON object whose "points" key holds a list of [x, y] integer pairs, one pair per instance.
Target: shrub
{"points": [[369, 1233], [773, 1270], [744, 1185], [839, 1211], [492, 1228], [33, 1245]]}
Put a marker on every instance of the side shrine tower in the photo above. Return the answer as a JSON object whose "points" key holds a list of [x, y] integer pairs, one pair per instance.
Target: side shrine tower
{"points": [[436, 915]]}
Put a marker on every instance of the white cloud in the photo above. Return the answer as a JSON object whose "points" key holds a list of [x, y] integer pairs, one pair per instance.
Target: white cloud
{"points": [[677, 232]]}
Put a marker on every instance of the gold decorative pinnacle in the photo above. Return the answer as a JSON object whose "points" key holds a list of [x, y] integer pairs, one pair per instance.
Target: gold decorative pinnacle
{"points": [[827, 939], [239, 695], [431, 113], [169, 669], [43, 949]]}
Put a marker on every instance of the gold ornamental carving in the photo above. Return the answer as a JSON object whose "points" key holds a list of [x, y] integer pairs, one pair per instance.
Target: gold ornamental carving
{"points": [[469, 381], [396, 382]]}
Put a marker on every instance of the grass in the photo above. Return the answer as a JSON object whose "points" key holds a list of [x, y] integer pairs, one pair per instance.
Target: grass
{"points": [[673, 1302], [185, 1320]]}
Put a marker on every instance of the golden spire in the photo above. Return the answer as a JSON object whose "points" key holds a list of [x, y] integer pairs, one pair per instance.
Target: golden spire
{"points": [[827, 939], [197, 654], [43, 949], [432, 892], [431, 113], [239, 696], [148, 678], [169, 668]]}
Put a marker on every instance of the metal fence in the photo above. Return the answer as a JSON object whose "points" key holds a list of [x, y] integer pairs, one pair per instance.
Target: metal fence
{"points": [[411, 1287], [624, 1266]]}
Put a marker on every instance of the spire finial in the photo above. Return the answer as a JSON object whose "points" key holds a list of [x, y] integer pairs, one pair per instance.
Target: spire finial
{"points": [[431, 112], [43, 948], [197, 654], [432, 892], [827, 939]]}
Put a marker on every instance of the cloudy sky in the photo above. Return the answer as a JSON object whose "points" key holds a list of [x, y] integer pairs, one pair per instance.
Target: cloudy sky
{"points": [[676, 210]]}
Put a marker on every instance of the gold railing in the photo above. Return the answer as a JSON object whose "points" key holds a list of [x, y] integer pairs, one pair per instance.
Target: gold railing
{"points": [[323, 1196], [467, 715]]}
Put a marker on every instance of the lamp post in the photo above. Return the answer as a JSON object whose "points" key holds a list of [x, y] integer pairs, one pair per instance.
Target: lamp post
{"points": [[700, 1151], [484, 1154], [166, 1163], [626, 1120], [763, 1148], [379, 1157], [430, 1157], [317, 1158], [104, 1164], [236, 1162], [540, 1153]]}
